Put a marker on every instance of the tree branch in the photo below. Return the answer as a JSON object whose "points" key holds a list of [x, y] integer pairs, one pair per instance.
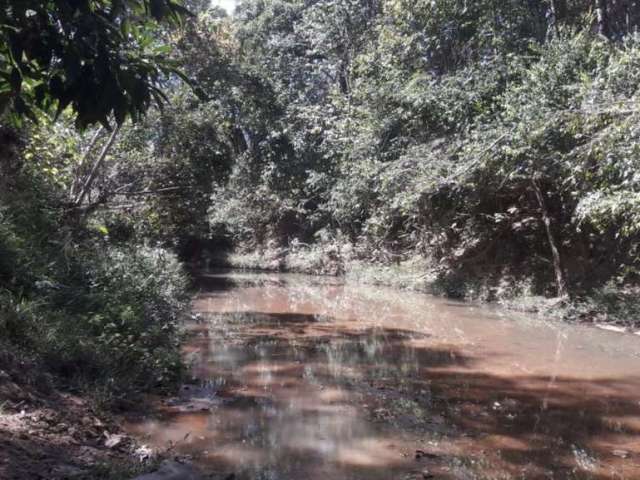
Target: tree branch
{"points": [[96, 166]]}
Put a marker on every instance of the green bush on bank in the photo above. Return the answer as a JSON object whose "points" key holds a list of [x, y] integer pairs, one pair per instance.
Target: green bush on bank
{"points": [[102, 316], [126, 308], [112, 326]]}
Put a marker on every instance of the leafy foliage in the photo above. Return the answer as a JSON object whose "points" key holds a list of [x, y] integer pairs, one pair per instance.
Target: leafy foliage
{"points": [[453, 130], [100, 57], [104, 316]]}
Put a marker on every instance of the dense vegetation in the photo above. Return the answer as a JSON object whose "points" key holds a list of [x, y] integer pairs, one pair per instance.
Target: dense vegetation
{"points": [[99, 312], [489, 148]]}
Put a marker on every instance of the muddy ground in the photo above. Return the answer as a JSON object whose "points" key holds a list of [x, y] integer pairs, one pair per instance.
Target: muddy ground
{"points": [[48, 434]]}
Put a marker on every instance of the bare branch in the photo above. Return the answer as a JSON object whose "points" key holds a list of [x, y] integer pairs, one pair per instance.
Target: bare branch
{"points": [[96, 166]]}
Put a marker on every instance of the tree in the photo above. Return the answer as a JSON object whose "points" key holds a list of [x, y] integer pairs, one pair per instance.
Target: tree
{"points": [[98, 56], [602, 17], [557, 13]]}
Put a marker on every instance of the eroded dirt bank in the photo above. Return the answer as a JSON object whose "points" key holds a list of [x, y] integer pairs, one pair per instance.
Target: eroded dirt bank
{"points": [[296, 377], [46, 434]]}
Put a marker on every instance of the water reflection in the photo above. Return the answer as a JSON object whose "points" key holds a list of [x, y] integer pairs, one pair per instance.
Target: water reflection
{"points": [[299, 379]]}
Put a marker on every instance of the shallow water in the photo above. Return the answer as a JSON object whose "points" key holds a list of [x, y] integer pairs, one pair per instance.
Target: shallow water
{"points": [[298, 377]]}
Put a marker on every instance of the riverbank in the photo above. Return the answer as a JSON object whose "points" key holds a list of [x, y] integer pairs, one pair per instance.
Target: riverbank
{"points": [[46, 432], [613, 307]]}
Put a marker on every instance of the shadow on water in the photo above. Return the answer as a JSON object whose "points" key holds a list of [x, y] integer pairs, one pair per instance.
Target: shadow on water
{"points": [[218, 282], [301, 395]]}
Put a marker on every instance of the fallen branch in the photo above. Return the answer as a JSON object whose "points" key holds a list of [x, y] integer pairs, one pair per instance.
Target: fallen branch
{"points": [[147, 192]]}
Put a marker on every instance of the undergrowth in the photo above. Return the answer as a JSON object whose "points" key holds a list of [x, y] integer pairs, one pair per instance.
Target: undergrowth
{"points": [[101, 316]]}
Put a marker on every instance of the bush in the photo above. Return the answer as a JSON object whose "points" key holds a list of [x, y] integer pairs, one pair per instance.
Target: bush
{"points": [[127, 306], [101, 313], [111, 325], [101, 316]]}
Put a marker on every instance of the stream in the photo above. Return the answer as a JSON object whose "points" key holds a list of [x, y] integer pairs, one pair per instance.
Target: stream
{"points": [[300, 377]]}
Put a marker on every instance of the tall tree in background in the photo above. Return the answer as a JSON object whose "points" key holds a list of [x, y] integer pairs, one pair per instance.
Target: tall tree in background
{"points": [[558, 13], [602, 17]]}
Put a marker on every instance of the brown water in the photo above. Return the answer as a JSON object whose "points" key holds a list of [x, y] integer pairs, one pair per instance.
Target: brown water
{"points": [[303, 378]]}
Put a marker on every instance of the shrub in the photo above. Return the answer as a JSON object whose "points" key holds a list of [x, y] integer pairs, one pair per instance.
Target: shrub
{"points": [[103, 318], [117, 323]]}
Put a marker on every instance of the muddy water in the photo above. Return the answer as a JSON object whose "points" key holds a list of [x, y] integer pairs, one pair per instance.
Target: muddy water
{"points": [[303, 378]]}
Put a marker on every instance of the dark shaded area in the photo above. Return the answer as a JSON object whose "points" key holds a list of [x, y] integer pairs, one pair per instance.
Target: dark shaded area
{"points": [[32, 457], [202, 252], [556, 421], [217, 280], [48, 434], [212, 283]]}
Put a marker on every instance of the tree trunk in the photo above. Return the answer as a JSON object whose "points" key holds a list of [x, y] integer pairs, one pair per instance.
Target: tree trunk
{"points": [[559, 9], [96, 167], [85, 158], [602, 17], [561, 283], [248, 139], [556, 14]]}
